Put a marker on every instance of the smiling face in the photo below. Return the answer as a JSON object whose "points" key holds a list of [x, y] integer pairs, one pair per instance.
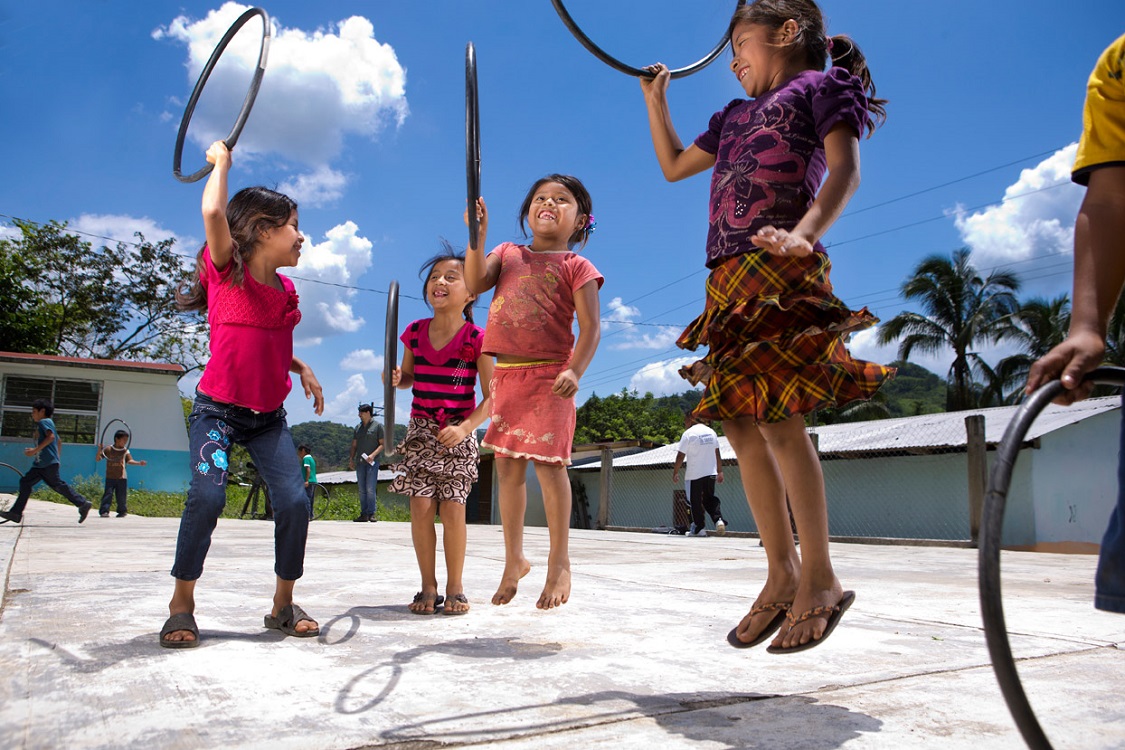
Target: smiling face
{"points": [[445, 287], [282, 245], [759, 56], [553, 212]]}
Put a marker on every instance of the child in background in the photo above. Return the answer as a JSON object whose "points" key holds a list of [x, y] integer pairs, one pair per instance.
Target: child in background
{"points": [[540, 288], [308, 470], [116, 482], [773, 326], [441, 359], [252, 310], [45, 467]]}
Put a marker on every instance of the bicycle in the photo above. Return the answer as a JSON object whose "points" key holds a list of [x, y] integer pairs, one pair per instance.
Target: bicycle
{"points": [[318, 505]]}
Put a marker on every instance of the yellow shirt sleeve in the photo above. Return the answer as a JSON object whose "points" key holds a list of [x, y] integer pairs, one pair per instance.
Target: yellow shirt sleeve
{"points": [[1103, 118]]}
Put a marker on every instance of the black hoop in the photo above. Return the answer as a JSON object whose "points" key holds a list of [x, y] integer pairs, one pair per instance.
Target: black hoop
{"points": [[19, 473], [992, 523], [247, 103], [390, 362], [472, 142], [106, 429], [616, 64]]}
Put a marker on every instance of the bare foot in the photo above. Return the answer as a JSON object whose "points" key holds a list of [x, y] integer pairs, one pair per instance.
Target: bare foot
{"points": [[510, 582], [752, 625], [557, 588], [812, 628], [424, 602]]}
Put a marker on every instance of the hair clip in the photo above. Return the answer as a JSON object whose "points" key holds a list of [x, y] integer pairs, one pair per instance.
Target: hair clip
{"points": [[591, 225]]}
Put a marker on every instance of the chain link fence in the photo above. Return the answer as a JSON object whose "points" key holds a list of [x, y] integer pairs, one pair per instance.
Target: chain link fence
{"points": [[900, 479]]}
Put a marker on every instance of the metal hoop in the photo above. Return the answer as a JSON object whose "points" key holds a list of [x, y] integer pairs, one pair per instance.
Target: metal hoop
{"points": [[992, 523], [390, 361], [247, 103], [472, 143], [616, 64], [105, 429]]}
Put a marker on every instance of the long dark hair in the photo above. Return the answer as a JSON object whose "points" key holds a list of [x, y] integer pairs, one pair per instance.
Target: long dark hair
{"points": [[447, 253], [581, 195], [250, 212], [813, 42]]}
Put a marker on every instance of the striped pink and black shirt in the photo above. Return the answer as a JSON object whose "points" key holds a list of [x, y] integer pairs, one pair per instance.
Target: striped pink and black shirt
{"points": [[444, 379]]}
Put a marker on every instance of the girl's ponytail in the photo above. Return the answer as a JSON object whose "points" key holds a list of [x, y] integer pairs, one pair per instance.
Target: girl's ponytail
{"points": [[847, 55]]}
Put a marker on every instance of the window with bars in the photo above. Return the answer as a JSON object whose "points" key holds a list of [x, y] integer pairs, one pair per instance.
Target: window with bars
{"points": [[76, 407]]}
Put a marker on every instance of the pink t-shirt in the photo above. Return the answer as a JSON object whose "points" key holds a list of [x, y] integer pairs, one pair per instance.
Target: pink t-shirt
{"points": [[532, 312], [251, 338]]}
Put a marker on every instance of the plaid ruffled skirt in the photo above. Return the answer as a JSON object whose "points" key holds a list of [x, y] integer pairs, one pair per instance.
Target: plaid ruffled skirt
{"points": [[775, 337]]}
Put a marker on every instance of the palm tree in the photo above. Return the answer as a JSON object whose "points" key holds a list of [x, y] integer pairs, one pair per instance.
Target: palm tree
{"points": [[1038, 326], [960, 311]]}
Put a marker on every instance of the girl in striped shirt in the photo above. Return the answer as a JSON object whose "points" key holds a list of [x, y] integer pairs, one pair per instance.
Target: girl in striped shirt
{"points": [[441, 360]]}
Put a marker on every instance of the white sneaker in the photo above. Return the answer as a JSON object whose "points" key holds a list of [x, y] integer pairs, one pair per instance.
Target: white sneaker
{"points": [[701, 532], [720, 527]]}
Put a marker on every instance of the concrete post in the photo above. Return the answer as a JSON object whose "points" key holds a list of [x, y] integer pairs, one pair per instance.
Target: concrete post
{"points": [[978, 472], [606, 488]]}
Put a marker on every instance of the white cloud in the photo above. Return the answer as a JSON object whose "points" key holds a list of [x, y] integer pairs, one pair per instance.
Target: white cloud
{"points": [[362, 360], [8, 232], [340, 259], [662, 378], [321, 187], [342, 407], [121, 228], [620, 312], [1038, 224], [627, 334], [320, 87]]}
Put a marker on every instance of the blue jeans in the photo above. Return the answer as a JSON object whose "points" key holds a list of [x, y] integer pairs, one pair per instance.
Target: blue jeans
{"points": [[1109, 583], [213, 429], [114, 488], [50, 475], [368, 479]]}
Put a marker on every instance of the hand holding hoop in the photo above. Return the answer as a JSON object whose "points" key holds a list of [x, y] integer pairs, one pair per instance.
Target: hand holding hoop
{"points": [[616, 64], [247, 103]]}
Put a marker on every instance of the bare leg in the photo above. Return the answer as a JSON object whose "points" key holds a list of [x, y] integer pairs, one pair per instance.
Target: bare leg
{"points": [[765, 492], [422, 511], [512, 473], [453, 539], [556, 502], [804, 480], [282, 596], [183, 601]]}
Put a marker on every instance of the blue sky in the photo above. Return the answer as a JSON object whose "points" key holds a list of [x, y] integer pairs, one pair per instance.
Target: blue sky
{"points": [[361, 119]]}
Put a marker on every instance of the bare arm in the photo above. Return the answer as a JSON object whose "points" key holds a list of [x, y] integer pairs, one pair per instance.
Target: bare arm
{"points": [[718, 466], [219, 242], [841, 149], [309, 383], [481, 271], [403, 376], [677, 466], [676, 162], [38, 448], [588, 311], [454, 434], [1099, 273]]}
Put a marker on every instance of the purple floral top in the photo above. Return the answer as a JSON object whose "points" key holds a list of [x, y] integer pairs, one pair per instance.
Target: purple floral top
{"points": [[769, 155]]}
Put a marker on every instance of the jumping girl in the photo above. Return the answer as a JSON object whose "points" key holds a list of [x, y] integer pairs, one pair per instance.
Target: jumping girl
{"points": [[540, 288], [774, 329], [252, 311], [440, 361]]}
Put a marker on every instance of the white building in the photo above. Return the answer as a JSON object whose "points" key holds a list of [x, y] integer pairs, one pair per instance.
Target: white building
{"points": [[89, 394]]}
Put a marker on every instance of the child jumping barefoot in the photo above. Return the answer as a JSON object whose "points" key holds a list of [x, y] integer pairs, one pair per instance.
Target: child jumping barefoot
{"points": [[539, 289], [773, 327], [440, 361], [252, 311]]}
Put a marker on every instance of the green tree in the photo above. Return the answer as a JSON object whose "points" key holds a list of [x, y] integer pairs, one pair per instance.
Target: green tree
{"points": [[627, 416], [961, 311], [1037, 326], [112, 303]]}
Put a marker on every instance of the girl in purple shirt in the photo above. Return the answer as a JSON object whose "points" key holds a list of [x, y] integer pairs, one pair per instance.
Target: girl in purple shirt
{"points": [[441, 359], [774, 329]]}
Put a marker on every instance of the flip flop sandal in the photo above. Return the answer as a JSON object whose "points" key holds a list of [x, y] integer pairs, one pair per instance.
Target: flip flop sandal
{"points": [[287, 619], [460, 599], [181, 621], [420, 597], [774, 625], [834, 614]]}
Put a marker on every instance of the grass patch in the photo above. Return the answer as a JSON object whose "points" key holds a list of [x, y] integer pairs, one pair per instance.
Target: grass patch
{"points": [[343, 502]]}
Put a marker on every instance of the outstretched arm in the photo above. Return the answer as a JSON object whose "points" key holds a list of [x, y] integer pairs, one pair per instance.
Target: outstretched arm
{"points": [[676, 162], [1099, 273], [219, 242]]}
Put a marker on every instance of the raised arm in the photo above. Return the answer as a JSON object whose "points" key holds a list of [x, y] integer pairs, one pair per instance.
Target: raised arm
{"points": [[676, 162], [219, 242], [481, 271]]}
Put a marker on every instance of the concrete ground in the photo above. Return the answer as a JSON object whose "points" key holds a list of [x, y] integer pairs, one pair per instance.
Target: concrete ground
{"points": [[636, 659]]}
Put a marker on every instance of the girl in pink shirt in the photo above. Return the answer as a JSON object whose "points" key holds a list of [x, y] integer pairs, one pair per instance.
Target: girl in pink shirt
{"points": [[252, 310], [540, 288]]}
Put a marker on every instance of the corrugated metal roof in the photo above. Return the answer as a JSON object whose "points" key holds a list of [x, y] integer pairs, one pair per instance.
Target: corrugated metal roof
{"points": [[164, 368], [925, 433]]}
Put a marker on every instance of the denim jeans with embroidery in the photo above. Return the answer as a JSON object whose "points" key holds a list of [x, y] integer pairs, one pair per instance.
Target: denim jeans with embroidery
{"points": [[213, 429]]}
